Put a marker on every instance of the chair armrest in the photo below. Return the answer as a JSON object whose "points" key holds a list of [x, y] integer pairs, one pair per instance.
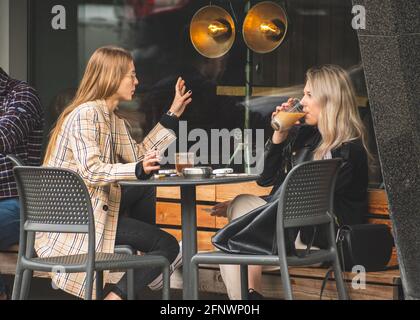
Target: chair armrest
{"points": [[126, 249]]}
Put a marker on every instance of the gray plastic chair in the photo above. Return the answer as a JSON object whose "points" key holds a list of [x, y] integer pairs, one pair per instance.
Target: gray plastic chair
{"points": [[16, 160], [57, 200], [126, 249], [306, 199]]}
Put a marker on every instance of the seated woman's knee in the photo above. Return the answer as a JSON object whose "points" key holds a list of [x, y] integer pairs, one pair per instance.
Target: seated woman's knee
{"points": [[169, 246]]}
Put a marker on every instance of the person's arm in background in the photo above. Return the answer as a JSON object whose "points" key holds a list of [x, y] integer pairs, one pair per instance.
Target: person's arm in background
{"points": [[22, 115]]}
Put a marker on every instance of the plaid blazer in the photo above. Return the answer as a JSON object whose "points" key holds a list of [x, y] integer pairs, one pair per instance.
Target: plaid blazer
{"points": [[96, 144]]}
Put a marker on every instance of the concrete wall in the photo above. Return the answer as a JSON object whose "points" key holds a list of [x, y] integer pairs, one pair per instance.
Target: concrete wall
{"points": [[4, 35], [18, 39], [391, 58]]}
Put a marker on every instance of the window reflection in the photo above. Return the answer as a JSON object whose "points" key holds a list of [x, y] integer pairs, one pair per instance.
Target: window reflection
{"points": [[157, 34]]}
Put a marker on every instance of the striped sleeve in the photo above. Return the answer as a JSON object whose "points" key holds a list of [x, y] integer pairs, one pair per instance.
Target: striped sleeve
{"points": [[21, 117], [159, 138], [84, 141]]}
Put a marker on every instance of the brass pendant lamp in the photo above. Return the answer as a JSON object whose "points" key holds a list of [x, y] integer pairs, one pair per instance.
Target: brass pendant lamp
{"points": [[212, 31], [265, 27]]}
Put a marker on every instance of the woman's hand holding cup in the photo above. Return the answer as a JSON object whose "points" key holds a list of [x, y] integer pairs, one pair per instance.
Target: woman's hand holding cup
{"points": [[278, 135], [151, 162]]}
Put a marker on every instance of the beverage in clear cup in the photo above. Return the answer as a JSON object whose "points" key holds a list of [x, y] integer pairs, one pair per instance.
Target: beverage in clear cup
{"points": [[284, 120], [183, 160]]}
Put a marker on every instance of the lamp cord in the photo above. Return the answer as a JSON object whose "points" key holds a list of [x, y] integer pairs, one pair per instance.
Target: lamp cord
{"points": [[233, 12]]}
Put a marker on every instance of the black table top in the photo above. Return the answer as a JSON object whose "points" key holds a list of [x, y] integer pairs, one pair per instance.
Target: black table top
{"points": [[181, 181]]}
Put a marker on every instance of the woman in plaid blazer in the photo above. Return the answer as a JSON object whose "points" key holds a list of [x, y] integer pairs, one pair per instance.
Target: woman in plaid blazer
{"points": [[92, 140]]}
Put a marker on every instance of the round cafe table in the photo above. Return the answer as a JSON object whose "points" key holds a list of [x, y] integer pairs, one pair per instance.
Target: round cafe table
{"points": [[188, 212]]}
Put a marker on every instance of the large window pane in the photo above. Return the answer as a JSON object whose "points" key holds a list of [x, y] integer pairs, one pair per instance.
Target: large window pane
{"points": [[157, 34]]}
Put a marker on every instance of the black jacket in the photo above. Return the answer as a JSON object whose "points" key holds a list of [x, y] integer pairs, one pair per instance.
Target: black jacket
{"points": [[350, 199]]}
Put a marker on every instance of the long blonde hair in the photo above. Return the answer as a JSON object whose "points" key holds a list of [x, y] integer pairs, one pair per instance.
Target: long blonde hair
{"points": [[339, 119], [104, 72]]}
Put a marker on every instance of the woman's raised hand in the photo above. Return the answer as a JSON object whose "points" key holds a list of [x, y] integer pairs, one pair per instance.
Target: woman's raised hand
{"points": [[181, 99]]}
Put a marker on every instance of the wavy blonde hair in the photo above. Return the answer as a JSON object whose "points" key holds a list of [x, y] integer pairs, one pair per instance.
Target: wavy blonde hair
{"points": [[339, 119], [103, 75]]}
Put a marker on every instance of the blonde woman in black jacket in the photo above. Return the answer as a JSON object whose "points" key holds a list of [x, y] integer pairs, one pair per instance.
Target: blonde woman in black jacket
{"points": [[333, 129]]}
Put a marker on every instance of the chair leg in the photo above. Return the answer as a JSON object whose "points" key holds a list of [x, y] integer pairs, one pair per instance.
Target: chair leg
{"points": [[339, 281], [17, 283], [166, 282], [194, 280], [126, 249], [285, 280], [99, 285], [130, 285], [26, 284], [89, 285], [244, 282]]}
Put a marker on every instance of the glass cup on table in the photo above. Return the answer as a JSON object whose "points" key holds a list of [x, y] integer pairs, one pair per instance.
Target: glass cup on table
{"points": [[284, 120], [183, 160]]}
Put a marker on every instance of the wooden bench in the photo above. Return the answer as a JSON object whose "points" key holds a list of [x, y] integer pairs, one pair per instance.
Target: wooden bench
{"points": [[306, 282]]}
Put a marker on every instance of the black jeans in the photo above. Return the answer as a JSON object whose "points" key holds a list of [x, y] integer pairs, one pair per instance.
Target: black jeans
{"points": [[139, 203], [137, 229]]}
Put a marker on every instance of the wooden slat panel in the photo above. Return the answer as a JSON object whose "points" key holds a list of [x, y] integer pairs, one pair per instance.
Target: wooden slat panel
{"points": [[384, 277], [293, 92], [8, 263], [210, 280], [394, 258], [378, 202], [377, 199], [381, 221], [204, 193], [221, 222], [170, 213], [225, 192], [203, 239], [310, 289], [168, 192]]}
